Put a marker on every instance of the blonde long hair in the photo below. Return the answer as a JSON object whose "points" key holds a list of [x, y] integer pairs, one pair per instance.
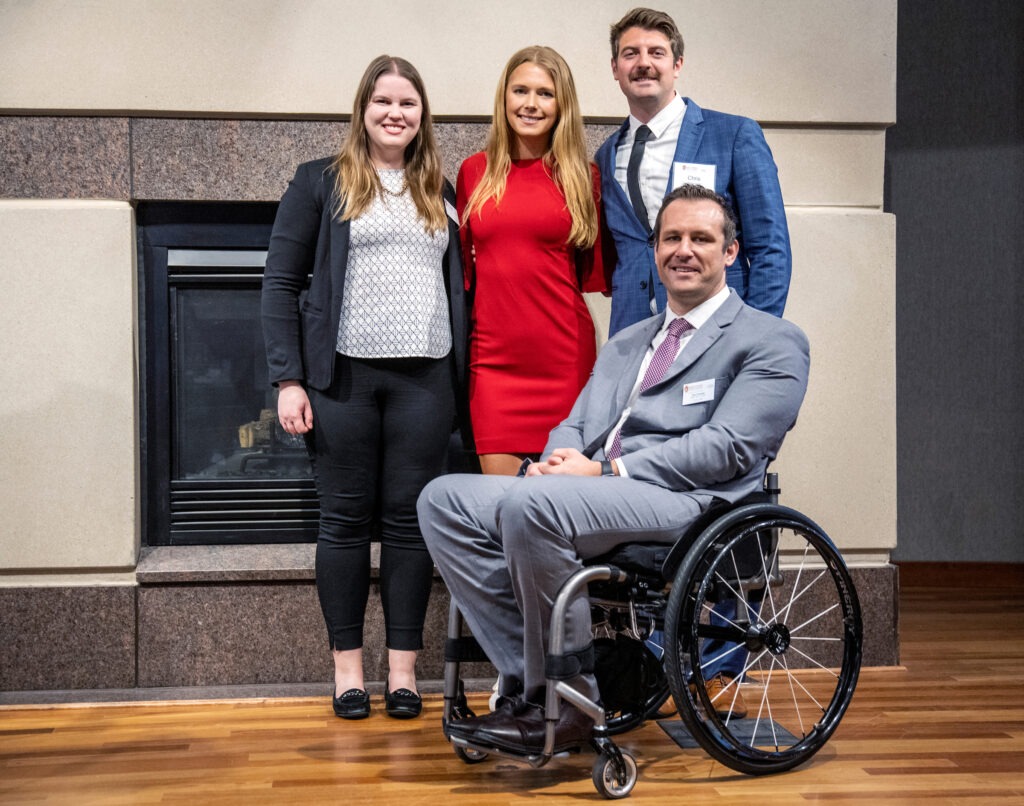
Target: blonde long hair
{"points": [[566, 156], [356, 184]]}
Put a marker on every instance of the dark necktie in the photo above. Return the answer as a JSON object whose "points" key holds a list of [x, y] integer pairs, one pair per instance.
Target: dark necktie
{"points": [[662, 359], [643, 134]]}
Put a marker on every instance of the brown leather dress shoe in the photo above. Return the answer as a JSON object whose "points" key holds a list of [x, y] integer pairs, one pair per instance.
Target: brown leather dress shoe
{"points": [[724, 693], [467, 725], [521, 730]]}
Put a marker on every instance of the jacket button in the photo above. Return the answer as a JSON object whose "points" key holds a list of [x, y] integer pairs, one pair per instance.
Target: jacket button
{"points": [[643, 284]]}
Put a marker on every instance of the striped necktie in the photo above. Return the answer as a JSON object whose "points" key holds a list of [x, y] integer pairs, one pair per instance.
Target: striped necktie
{"points": [[660, 362]]}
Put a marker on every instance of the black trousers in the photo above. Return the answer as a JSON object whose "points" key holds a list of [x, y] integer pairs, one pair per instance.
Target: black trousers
{"points": [[380, 433]]}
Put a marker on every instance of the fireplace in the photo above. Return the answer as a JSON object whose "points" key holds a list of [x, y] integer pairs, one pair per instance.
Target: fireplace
{"points": [[217, 467]]}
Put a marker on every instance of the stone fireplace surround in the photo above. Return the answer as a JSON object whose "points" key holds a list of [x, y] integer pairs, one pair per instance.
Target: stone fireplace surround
{"points": [[215, 616]]}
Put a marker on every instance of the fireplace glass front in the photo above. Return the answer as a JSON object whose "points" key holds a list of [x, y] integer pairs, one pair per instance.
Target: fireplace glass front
{"points": [[219, 467]]}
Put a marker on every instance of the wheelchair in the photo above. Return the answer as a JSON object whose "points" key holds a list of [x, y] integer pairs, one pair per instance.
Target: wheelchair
{"points": [[797, 620]]}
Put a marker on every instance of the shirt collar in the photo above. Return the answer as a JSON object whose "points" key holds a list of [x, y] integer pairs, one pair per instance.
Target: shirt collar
{"points": [[699, 316], [660, 122]]}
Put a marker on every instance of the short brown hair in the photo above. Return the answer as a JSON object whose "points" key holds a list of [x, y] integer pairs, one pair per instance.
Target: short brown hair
{"points": [[693, 193], [649, 20]]}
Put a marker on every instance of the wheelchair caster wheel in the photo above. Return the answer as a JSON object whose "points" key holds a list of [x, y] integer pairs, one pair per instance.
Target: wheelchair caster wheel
{"points": [[470, 756], [614, 778]]}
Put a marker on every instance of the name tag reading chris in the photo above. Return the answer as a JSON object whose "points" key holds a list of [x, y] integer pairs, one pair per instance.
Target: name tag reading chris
{"points": [[698, 392], [693, 173]]}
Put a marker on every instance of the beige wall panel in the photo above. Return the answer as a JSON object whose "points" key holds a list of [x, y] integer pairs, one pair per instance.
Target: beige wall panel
{"points": [[829, 167], [789, 60], [839, 464], [67, 325]]}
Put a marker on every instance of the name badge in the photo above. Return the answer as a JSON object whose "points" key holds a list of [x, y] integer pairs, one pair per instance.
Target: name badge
{"points": [[450, 209], [693, 173], [698, 392]]}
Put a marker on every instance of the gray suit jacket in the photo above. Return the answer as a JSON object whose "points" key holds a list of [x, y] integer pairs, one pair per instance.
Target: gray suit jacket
{"points": [[721, 447]]}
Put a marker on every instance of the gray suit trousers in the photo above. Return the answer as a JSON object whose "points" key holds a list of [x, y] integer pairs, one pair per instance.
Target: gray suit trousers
{"points": [[504, 547]]}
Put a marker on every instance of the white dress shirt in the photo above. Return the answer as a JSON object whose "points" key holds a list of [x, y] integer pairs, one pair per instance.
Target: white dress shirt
{"points": [[659, 154], [697, 317]]}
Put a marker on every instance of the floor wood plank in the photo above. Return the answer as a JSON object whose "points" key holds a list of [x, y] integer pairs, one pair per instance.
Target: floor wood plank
{"points": [[946, 727]]}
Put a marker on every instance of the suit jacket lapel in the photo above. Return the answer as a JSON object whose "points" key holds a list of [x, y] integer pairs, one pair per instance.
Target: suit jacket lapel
{"points": [[691, 133], [701, 341], [631, 365], [607, 165], [619, 198], [632, 356]]}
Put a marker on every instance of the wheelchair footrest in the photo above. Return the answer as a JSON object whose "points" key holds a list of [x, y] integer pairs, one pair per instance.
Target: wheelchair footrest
{"points": [[534, 759]]}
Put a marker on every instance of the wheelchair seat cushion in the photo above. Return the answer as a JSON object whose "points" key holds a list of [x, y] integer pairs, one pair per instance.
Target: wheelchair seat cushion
{"points": [[645, 559]]}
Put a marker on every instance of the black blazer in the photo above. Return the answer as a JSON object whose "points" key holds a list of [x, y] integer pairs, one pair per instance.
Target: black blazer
{"points": [[307, 239]]}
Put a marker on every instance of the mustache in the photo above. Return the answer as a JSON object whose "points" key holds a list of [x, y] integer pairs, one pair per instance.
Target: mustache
{"points": [[644, 72]]}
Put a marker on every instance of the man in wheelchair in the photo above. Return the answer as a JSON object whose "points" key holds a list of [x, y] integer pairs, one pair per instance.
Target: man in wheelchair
{"points": [[683, 409]]}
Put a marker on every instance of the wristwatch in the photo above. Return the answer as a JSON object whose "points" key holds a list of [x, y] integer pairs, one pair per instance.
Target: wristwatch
{"points": [[607, 469]]}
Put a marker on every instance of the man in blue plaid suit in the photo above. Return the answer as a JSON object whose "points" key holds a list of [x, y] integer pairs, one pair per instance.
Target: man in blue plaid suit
{"points": [[683, 144]]}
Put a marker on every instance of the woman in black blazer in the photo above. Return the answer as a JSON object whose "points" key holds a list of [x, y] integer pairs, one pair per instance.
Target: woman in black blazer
{"points": [[369, 363]]}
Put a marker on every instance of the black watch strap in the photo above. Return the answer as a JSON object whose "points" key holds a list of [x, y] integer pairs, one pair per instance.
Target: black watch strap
{"points": [[607, 469]]}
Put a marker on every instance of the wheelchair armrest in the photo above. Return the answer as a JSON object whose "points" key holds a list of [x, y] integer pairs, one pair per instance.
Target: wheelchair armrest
{"points": [[674, 558]]}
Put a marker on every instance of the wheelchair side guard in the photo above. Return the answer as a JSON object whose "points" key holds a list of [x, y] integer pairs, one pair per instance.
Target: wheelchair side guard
{"points": [[707, 529]]}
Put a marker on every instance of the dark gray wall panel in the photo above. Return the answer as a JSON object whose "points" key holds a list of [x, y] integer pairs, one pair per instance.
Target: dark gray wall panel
{"points": [[955, 180]]}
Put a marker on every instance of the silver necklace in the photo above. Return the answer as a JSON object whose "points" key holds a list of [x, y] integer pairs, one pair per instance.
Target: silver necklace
{"points": [[400, 191]]}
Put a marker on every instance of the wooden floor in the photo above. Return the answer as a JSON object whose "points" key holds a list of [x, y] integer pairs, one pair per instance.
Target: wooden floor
{"points": [[948, 727]]}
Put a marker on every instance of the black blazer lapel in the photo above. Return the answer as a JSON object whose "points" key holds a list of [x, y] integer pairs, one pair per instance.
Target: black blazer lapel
{"points": [[340, 231]]}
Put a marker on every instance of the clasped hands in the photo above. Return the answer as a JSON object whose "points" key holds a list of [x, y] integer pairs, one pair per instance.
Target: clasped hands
{"points": [[566, 462]]}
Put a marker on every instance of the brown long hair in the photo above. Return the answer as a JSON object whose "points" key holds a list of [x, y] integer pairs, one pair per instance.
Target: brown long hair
{"points": [[566, 156], [356, 184]]}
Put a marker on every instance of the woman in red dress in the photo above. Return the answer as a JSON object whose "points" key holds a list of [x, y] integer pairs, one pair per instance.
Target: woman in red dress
{"points": [[529, 207]]}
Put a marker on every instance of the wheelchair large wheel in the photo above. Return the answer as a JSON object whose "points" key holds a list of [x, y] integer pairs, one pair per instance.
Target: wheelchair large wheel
{"points": [[800, 636]]}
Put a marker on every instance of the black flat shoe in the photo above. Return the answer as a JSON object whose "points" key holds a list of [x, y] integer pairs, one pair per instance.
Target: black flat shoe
{"points": [[353, 704], [402, 703]]}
